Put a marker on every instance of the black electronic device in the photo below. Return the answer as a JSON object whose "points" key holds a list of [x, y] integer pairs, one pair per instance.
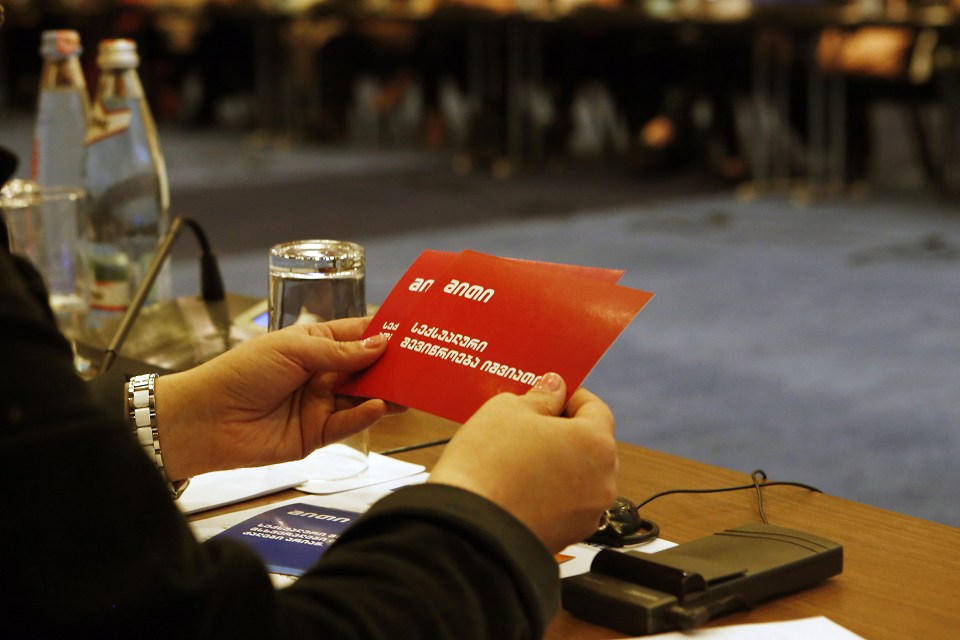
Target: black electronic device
{"points": [[621, 525], [687, 585]]}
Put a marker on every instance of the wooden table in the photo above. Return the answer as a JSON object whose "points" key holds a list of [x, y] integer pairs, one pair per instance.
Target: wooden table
{"points": [[901, 576]]}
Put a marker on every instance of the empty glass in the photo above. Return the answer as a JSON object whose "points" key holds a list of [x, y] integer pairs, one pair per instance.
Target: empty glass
{"points": [[44, 225]]}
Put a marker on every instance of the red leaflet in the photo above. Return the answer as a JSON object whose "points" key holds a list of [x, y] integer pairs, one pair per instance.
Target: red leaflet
{"points": [[464, 327]]}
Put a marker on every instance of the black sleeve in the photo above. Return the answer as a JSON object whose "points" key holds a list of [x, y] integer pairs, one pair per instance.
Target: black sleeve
{"points": [[94, 547], [451, 565], [108, 390]]}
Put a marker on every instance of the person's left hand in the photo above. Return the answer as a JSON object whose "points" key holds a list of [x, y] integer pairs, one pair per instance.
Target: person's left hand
{"points": [[269, 400]]}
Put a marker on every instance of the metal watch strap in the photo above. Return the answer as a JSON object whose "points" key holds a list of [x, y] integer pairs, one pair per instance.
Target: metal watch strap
{"points": [[142, 410]]}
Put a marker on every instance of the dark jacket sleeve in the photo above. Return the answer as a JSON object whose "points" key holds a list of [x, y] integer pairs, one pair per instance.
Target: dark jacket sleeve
{"points": [[452, 565], [94, 547]]}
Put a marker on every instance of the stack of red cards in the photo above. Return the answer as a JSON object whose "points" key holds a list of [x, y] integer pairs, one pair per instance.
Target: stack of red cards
{"points": [[465, 327]]}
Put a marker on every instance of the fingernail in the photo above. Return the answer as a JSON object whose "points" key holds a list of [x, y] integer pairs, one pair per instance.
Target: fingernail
{"points": [[374, 342], [550, 382]]}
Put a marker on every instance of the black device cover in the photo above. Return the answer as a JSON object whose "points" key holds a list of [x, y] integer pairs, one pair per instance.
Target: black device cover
{"points": [[687, 585]]}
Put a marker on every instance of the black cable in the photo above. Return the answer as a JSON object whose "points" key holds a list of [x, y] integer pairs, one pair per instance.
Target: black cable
{"points": [[198, 232], [756, 483], [413, 447], [755, 476], [622, 525], [211, 280], [648, 528]]}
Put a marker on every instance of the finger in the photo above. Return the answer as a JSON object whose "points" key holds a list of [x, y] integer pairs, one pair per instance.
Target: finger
{"points": [[586, 406], [347, 329], [347, 422], [547, 396], [394, 409], [323, 354], [343, 402]]}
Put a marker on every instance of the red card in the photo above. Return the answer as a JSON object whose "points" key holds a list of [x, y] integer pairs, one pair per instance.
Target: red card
{"points": [[487, 325], [430, 265]]}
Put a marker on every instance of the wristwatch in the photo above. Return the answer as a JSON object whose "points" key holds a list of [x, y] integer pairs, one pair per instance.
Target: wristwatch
{"points": [[142, 410]]}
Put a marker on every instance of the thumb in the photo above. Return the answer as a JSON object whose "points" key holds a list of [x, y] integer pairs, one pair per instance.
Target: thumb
{"points": [[548, 395], [323, 354], [354, 355]]}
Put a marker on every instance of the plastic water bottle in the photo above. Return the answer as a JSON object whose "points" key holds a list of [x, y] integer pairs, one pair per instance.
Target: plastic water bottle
{"points": [[59, 147], [126, 183]]}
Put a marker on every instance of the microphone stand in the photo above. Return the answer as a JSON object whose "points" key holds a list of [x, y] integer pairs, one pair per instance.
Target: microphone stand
{"points": [[210, 279]]}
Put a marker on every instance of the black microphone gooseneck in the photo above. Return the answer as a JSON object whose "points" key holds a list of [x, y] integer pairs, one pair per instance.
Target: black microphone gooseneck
{"points": [[211, 283]]}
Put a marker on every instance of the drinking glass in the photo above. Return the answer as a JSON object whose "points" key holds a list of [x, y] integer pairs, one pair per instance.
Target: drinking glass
{"points": [[317, 281], [44, 226]]}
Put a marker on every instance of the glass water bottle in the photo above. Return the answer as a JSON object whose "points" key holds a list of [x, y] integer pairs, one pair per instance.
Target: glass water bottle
{"points": [[57, 166], [126, 183]]}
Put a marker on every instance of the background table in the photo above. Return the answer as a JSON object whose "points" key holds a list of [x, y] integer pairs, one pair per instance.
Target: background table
{"points": [[901, 576]]}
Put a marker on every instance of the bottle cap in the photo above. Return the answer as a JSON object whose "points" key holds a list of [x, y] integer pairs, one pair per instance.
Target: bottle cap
{"points": [[60, 44], [118, 54]]}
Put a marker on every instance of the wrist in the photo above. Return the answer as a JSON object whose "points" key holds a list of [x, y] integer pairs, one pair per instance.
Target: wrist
{"points": [[142, 411], [181, 453]]}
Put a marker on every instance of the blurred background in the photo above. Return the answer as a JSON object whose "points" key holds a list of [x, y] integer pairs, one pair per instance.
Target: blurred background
{"points": [[782, 174]]}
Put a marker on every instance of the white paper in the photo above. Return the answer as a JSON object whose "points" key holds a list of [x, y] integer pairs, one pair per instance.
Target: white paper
{"points": [[221, 488], [820, 628], [381, 469], [583, 555]]}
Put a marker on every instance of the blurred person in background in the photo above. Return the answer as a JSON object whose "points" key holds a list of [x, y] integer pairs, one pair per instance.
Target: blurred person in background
{"points": [[880, 63]]}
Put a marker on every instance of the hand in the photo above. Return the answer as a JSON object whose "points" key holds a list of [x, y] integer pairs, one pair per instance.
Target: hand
{"points": [[267, 401], [555, 474]]}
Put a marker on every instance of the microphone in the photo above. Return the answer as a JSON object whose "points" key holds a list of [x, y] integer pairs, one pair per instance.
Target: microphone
{"points": [[211, 283]]}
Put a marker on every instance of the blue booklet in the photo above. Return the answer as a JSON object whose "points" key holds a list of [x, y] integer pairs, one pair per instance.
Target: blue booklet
{"points": [[291, 538]]}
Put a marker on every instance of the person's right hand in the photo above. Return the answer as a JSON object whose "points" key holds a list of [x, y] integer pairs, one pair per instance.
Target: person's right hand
{"points": [[269, 400], [554, 473]]}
